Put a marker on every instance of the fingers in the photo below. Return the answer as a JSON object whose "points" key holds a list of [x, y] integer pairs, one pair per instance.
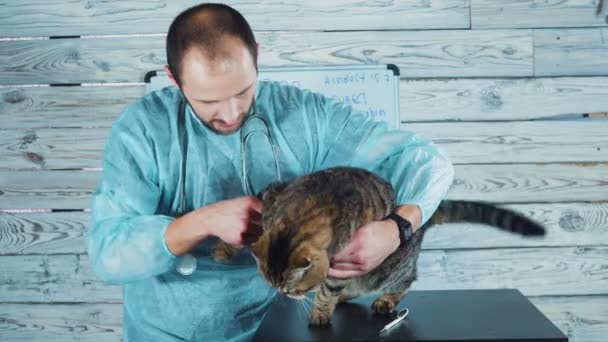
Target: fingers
{"points": [[347, 254], [251, 234], [255, 204], [255, 217], [248, 239], [344, 273], [346, 266]]}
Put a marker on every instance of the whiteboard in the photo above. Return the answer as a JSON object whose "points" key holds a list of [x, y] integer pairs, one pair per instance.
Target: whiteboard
{"points": [[373, 89]]}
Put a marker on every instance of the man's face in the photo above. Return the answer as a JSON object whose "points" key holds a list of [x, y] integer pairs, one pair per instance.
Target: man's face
{"points": [[220, 90]]}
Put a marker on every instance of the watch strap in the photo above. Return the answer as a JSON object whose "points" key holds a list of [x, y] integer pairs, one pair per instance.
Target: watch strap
{"points": [[405, 228]]}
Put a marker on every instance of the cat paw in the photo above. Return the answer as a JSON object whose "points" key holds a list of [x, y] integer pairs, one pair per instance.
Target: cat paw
{"points": [[319, 318], [223, 252], [383, 306], [220, 257]]}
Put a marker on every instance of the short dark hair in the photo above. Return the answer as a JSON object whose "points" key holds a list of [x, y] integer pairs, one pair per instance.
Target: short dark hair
{"points": [[203, 26]]}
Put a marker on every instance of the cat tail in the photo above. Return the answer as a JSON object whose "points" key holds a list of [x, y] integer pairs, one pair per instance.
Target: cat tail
{"points": [[485, 213]]}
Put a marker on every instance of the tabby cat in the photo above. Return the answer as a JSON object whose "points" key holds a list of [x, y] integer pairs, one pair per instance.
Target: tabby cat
{"points": [[309, 220]]}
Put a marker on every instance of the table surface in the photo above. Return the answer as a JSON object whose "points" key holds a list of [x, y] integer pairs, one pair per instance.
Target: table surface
{"points": [[503, 315]]}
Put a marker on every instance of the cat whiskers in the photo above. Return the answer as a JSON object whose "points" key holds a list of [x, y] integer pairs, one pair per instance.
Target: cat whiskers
{"points": [[301, 306], [305, 304]]}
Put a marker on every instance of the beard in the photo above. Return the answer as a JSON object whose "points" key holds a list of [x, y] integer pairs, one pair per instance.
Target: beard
{"points": [[219, 126]]}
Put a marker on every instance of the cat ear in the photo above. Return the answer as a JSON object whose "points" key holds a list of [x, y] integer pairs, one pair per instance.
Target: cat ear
{"points": [[300, 267], [269, 194], [303, 263]]}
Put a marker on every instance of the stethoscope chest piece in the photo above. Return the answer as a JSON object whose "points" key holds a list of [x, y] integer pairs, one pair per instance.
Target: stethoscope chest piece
{"points": [[186, 264]]}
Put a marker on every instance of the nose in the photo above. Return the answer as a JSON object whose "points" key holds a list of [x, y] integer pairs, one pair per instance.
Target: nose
{"points": [[230, 112]]}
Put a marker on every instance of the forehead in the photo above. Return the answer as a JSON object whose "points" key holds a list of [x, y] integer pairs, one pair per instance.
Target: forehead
{"points": [[219, 76]]}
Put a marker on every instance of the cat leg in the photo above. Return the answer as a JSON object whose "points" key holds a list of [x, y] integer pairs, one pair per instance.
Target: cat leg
{"points": [[345, 297], [386, 303], [223, 251], [325, 304]]}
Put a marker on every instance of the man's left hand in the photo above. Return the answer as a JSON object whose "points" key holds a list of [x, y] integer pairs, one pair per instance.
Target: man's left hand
{"points": [[371, 244]]}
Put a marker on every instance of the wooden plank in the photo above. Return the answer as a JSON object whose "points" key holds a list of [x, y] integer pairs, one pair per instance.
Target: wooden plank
{"points": [[38, 107], [61, 322], [502, 183], [531, 183], [501, 99], [62, 17], [54, 148], [535, 271], [494, 142], [583, 319], [43, 233], [530, 14], [571, 52], [568, 224], [454, 53], [420, 100], [55, 278], [50, 189], [518, 141]]}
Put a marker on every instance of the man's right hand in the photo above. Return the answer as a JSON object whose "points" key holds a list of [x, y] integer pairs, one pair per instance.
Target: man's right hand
{"points": [[236, 221]]}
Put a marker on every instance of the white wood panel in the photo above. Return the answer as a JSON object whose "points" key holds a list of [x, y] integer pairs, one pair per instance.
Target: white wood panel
{"points": [[56, 278], [508, 183], [47, 189], [576, 52], [43, 233], [518, 142], [420, 100], [534, 271], [63, 17], [495, 142], [40, 107], [582, 318], [449, 53], [48, 149], [501, 99], [61, 322], [531, 183], [568, 224], [532, 13]]}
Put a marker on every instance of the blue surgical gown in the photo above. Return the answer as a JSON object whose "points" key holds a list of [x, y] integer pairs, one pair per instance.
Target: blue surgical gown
{"points": [[137, 198]]}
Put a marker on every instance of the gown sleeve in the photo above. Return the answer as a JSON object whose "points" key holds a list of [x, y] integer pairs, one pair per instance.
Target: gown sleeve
{"points": [[419, 172], [125, 241]]}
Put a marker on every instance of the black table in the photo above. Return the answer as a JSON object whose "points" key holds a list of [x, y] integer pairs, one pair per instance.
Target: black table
{"points": [[503, 315]]}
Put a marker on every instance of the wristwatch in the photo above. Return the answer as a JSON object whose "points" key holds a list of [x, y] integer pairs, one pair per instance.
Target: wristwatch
{"points": [[405, 228]]}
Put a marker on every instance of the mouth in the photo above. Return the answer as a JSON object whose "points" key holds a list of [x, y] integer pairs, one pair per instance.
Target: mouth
{"points": [[224, 126]]}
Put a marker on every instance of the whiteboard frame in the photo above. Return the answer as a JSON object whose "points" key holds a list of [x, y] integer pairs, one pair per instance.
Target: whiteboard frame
{"points": [[394, 68]]}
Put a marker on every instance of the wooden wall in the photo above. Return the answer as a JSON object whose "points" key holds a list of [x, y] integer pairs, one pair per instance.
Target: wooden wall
{"points": [[512, 90]]}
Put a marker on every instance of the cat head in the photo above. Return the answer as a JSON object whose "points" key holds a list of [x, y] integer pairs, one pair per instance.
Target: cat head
{"points": [[292, 252]]}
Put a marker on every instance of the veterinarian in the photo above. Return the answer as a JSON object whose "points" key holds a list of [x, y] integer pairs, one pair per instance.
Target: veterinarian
{"points": [[144, 222]]}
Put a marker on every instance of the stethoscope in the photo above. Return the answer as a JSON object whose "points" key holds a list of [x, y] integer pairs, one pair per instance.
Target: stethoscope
{"points": [[186, 263]]}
